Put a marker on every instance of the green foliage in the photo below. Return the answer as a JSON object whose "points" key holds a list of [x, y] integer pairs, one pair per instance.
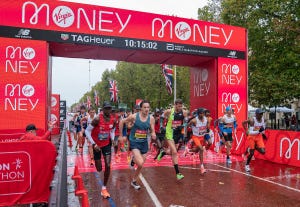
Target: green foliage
{"points": [[141, 81], [273, 38]]}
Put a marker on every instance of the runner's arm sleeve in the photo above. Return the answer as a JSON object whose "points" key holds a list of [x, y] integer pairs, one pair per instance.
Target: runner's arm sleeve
{"points": [[221, 126], [88, 133]]}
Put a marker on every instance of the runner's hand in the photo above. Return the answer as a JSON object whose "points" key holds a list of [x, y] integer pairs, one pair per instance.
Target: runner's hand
{"points": [[153, 136]]}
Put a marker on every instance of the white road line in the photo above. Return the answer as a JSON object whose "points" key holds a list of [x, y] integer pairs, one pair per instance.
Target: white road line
{"points": [[283, 177], [150, 191], [259, 178], [213, 170]]}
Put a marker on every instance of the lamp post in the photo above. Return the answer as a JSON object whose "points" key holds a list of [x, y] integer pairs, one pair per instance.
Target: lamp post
{"points": [[89, 74]]}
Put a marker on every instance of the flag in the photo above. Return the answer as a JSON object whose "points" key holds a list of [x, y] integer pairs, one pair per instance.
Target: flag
{"points": [[88, 102], [168, 75], [113, 91], [96, 98]]}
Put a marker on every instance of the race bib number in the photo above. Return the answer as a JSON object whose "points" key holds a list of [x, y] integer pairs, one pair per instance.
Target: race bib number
{"points": [[229, 125], [140, 134], [256, 128], [176, 123], [103, 136]]}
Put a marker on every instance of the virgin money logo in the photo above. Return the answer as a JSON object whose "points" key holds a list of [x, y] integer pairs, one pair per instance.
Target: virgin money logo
{"points": [[235, 69], [53, 118], [204, 75], [28, 53], [53, 101], [183, 31], [28, 90], [235, 97], [63, 16]]}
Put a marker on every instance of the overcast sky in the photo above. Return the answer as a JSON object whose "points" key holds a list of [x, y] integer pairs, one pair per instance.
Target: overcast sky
{"points": [[70, 77]]}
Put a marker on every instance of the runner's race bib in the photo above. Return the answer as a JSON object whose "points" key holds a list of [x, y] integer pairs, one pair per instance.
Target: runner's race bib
{"points": [[141, 134], [229, 125], [176, 124], [104, 135]]}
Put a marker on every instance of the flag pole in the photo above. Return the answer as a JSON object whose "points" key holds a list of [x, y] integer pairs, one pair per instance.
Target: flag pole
{"points": [[175, 83]]}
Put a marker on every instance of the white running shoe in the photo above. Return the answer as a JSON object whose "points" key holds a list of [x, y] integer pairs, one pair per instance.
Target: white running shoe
{"points": [[247, 168]]}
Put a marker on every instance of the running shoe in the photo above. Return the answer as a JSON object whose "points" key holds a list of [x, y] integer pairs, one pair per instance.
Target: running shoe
{"points": [[179, 176], [247, 168], [228, 160], [202, 170], [135, 185], [92, 162], [161, 154], [104, 193], [131, 164]]}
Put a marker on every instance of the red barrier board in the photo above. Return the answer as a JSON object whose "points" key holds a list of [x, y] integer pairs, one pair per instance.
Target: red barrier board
{"points": [[26, 171], [282, 147], [23, 86], [55, 99]]}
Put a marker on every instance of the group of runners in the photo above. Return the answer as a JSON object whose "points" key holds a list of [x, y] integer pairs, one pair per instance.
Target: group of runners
{"points": [[167, 130]]}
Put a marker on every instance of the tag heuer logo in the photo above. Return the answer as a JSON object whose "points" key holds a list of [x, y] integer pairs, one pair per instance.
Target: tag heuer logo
{"points": [[64, 36]]}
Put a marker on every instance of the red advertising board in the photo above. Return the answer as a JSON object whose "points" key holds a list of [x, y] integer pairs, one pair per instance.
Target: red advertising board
{"points": [[232, 87], [23, 86], [282, 147], [54, 117], [203, 87], [77, 21], [25, 172]]}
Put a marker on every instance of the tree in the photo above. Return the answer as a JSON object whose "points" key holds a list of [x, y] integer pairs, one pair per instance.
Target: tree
{"points": [[273, 38]]}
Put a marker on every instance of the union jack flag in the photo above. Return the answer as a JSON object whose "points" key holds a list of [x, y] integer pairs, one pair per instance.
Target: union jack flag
{"points": [[167, 72], [113, 91], [96, 98], [88, 102]]}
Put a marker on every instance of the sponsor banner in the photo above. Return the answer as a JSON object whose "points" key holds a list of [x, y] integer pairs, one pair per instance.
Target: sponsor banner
{"points": [[232, 87], [25, 172], [23, 86], [67, 17], [119, 42], [203, 87], [55, 103], [282, 147]]}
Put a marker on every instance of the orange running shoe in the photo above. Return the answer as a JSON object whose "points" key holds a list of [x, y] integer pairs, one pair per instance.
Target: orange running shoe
{"points": [[104, 193]]}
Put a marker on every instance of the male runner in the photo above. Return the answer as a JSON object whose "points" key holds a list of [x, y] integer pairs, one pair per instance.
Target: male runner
{"points": [[256, 134], [200, 127], [99, 135], [142, 122], [177, 119], [81, 124], [91, 116], [227, 126]]}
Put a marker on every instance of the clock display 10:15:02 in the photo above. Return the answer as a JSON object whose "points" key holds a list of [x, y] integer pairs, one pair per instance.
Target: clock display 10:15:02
{"points": [[141, 44]]}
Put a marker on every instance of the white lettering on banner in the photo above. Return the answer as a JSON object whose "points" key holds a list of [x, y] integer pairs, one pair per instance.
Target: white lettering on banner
{"points": [[238, 140], [230, 74], [20, 66], [10, 174], [288, 153], [236, 107], [23, 67], [14, 100], [64, 17], [207, 34], [201, 83]]}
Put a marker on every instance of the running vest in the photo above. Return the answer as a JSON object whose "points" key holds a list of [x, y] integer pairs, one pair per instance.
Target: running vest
{"points": [[201, 127], [89, 121], [139, 130], [101, 133], [257, 125], [228, 123], [84, 123], [174, 122]]}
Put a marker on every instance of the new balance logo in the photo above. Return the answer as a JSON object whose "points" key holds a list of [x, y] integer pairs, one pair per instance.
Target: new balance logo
{"points": [[23, 33], [232, 54]]}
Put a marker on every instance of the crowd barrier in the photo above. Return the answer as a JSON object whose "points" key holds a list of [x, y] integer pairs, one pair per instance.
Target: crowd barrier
{"points": [[26, 171], [282, 146]]}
